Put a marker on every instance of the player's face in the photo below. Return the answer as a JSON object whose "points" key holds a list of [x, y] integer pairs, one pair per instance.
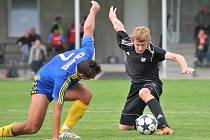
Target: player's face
{"points": [[140, 47], [83, 77]]}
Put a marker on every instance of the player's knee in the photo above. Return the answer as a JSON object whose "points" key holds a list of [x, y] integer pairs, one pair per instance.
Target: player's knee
{"points": [[87, 97], [145, 94], [125, 127], [33, 128], [90, 94]]}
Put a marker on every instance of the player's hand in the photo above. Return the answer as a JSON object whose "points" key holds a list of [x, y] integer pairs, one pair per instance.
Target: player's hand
{"points": [[187, 70], [95, 7], [112, 13], [118, 25]]}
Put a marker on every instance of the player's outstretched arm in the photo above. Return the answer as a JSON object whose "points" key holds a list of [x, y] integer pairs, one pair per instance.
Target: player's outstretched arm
{"points": [[89, 25], [57, 107], [117, 24], [181, 61]]}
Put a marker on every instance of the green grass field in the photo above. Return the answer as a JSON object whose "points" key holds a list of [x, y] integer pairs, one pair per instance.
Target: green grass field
{"points": [[186, 104]]}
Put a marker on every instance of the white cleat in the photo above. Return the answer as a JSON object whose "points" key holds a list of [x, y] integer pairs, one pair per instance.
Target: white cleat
{"points": [[69, 134]]}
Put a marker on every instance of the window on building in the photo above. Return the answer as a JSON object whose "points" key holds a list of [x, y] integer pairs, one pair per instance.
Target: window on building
{"points": [[22, 15]]}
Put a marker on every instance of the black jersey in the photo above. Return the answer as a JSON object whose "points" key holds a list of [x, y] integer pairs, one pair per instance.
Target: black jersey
{"points": [[140, 67]]}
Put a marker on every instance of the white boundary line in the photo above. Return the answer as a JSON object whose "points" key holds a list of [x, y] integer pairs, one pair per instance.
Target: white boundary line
{"points": [[117, 111]]}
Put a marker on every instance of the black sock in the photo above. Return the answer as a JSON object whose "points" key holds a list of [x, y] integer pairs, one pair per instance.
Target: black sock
{"points": [[155, 108]]}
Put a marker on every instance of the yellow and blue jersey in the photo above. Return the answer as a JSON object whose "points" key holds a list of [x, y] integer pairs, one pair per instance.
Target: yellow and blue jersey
{"points": [[60, 73]]}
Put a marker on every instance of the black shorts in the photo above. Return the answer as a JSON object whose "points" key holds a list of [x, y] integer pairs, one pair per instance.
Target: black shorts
{"points": [[134, 105]]}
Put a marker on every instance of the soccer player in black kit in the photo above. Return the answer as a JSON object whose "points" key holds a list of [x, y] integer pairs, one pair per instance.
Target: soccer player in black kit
{"points": [[142, 68]]}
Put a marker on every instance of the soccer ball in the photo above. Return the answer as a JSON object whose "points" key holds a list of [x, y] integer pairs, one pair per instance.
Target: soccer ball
{"points": [[146, 124]]}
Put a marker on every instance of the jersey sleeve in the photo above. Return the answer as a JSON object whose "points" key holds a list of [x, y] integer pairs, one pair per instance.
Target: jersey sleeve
{"points": [[159, 54], [88, 46], [60, 87], [124, 41], [87, 41]]}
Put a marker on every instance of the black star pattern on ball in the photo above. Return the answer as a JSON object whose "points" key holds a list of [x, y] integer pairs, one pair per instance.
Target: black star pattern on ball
{"points": [[145, 126]]}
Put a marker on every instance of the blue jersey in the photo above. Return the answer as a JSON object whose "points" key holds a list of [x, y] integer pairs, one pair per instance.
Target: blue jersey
{"points": [[60, 73]]}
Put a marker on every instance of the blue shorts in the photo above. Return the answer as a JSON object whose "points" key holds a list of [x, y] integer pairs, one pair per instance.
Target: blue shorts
{"points": [[41, 86]]}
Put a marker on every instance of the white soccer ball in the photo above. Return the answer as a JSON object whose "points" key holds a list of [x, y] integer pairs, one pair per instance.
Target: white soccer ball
{"points": [[146, 124]]}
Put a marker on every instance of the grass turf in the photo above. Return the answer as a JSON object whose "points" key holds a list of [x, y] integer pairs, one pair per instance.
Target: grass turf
{"points": [[185, 103]]}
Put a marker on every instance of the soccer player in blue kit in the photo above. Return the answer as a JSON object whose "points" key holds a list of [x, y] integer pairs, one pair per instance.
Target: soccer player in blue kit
{"points": [[58, 81]]}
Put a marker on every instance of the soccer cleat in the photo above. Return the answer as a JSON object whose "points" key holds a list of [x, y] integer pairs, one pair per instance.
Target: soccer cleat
{"points": [[68, 134], [165, 131]]}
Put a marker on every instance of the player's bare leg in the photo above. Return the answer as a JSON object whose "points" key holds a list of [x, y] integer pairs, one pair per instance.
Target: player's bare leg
{"points": [[82, 97], [79, 92], [155, 108], [36, 115], [125, 127]]}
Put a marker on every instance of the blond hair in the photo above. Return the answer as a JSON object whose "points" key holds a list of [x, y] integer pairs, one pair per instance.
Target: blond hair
{"points": [[141, 34]]}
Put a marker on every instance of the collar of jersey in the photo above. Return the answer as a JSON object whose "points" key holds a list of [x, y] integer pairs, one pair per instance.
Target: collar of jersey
{"points": [[75, 76]]}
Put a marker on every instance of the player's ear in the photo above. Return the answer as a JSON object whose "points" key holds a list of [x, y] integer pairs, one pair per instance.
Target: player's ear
{"points": [[81, 76]]}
